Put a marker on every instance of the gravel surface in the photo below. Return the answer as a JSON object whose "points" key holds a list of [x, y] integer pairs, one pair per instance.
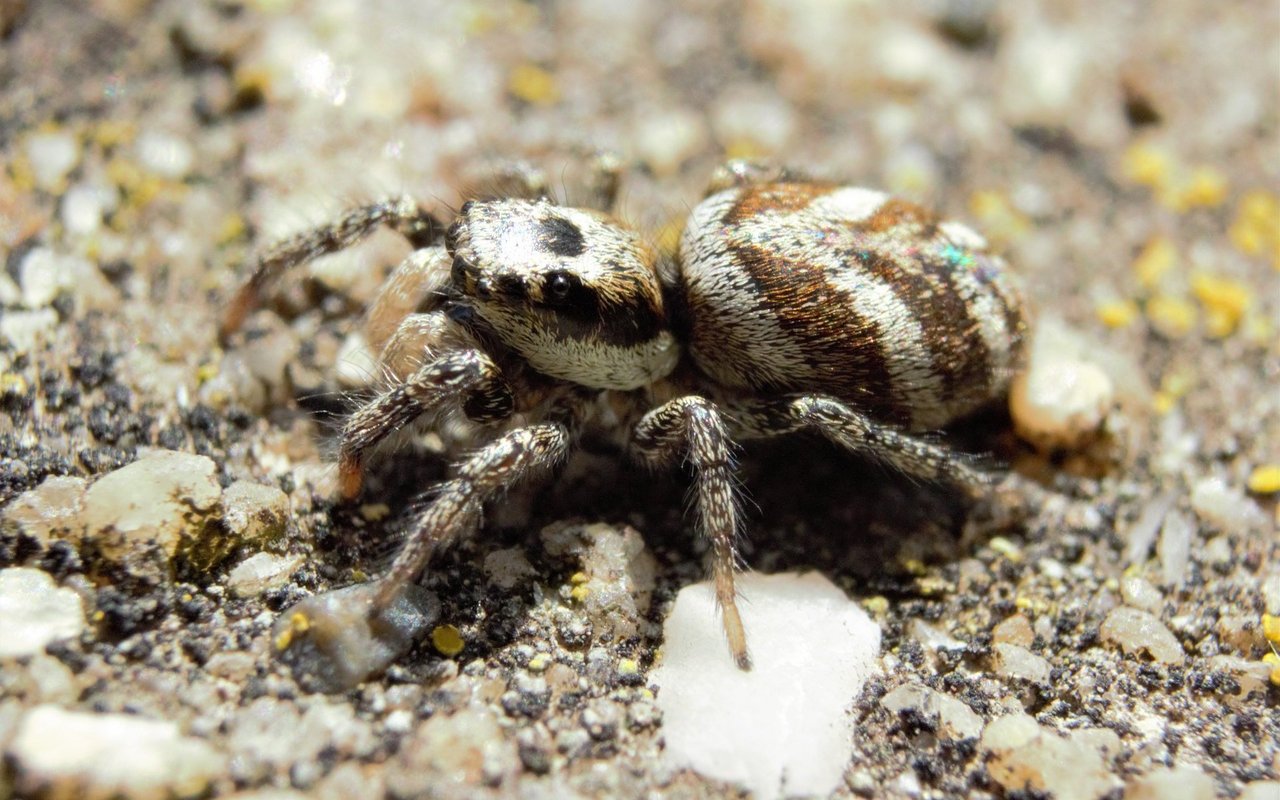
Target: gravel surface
{"points": [[163, 499]]}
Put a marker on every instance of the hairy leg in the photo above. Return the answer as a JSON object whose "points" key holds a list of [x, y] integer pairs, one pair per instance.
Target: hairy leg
{"points": [[468, 377], [692, 427], [402, 214], [859, 433], [493, 469]]}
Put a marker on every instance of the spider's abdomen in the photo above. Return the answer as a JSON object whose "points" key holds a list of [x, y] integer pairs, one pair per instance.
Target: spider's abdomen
{"points": [[829, 289]]}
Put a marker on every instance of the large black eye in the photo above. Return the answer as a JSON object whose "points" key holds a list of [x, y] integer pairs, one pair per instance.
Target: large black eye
{"points": [[558, 287]]}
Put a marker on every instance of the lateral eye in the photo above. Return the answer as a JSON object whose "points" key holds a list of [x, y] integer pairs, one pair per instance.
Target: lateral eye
{"points": [[558, 287]]}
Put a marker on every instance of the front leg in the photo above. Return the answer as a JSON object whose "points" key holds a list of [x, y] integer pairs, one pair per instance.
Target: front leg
{"points": [[693, 428], [467, 376]]}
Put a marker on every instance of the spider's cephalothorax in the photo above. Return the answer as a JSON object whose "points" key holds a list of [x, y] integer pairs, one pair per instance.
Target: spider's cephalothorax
{"points": [[794, 305]]}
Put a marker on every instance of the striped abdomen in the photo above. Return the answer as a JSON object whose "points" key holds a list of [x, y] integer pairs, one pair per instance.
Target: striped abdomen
{"points": [[816, 287]]}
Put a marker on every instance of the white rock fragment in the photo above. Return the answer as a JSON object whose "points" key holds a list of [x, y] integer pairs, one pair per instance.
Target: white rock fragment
{"points": [[84, 206], [1179, 783], [261, 572], [951, 718], [49, 511], [618, 572], [1023, 755], [450, 755], [1139, 593], [1226, 508], [1061, 399], [1013, 661], [52, 155], [164, 498], [784, 727], [1142, 534], [35, 612], [44, 274], [508, 568], [24, 330], [1137, 631], [668, 138], [253, 512], [100, 756], [1261, 790], [165, 154], [1174, 547]]}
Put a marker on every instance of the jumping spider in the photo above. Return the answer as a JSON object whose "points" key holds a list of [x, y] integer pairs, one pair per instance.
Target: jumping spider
{"points": [[792, 305]]}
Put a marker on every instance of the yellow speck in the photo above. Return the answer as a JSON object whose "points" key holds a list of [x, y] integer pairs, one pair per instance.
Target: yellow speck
{"points": [[579, 593], [1225, 302], [1274, 661], [1205, 187], [206, 373], [1113, 585], [1146, 164], [876, 605], [372, 512], [99, 616], [1271, 628], [628, 666], [298, 623], [1155, 260], [539, 662], [447, 639], [112, 133], [22, 174], [1256, 229], [13, 383], [1022, 603], [232, 228], [533, 84], [1171, 316], [252, 81], [1265, 479], [1000, 220], [578, 578], [1118, 313], [744, 147], [914, 566], [283, 641], [1006, 548], [932, 586]]}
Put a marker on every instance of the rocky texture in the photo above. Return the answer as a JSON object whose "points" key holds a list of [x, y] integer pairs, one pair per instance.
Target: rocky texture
{"points": [[35, 612], [1123, 162]]}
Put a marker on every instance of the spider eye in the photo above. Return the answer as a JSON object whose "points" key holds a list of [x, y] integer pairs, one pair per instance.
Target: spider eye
{"points": [[558, 287]]}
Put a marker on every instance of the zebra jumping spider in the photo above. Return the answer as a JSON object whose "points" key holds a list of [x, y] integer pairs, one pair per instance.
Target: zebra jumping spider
{"points": [[792, 305]]}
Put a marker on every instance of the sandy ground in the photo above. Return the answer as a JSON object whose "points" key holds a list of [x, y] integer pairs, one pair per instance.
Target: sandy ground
{"points": [[1124, 156]]}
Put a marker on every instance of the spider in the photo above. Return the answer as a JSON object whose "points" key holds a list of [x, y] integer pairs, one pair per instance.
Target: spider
{"points": [[792, 305]]}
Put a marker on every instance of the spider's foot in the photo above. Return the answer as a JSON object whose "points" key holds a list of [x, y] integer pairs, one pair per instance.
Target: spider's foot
{"points": [[736, 634], [335, 640], [350, 477]]}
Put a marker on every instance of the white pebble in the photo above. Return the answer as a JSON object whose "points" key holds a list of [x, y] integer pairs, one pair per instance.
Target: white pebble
{"points": [[784, 727], [952, 718], [99, 756], [52, 155], [35, 612], [261, 572], [1175, 547], [1179, 783], [1137, 631], [24, 330], [1024, 755], [1225, 507], [1061, 399], [83, 207], [165, 154]]}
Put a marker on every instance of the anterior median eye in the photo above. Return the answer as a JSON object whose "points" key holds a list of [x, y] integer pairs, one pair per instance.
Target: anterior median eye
{"points": [[558, 287]]}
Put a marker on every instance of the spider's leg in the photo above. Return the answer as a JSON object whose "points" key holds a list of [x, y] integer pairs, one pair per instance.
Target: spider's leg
{"points": [[859, 433], [401, 213], [692, 427], [493, 469], [466, 376]]}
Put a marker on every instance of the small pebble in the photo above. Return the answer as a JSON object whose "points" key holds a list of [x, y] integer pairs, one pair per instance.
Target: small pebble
{"points": [[1225, 507], [101, 756], [254, 513], [52, 155], [25, 330], [1179, 783], [261, 572], [952, 718], [1138, 632], [35, 612], [165, 154], [1026, 756]]}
